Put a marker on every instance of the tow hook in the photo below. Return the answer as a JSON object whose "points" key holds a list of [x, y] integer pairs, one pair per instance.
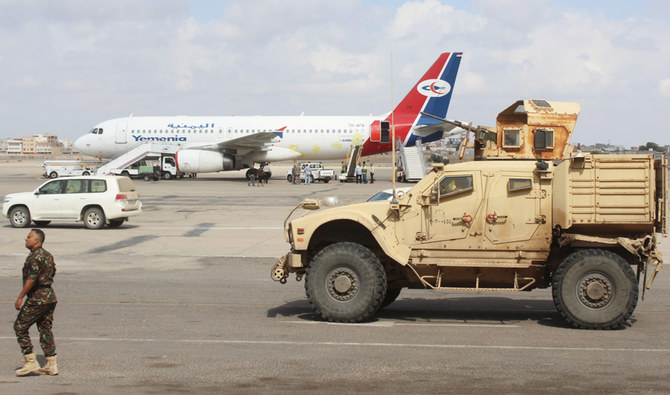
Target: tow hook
{"points": [[279, 271]]}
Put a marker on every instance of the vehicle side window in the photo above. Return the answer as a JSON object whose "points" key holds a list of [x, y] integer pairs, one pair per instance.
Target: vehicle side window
{"points": [[519, 184], [98, 185], [452, 185], [52, 188], [76, 186]]}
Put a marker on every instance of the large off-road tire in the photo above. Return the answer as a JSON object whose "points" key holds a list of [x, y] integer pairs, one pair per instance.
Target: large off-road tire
{"points": [[345, 283], [595, 289], [94, 218], [19, 217], [391, 295]]}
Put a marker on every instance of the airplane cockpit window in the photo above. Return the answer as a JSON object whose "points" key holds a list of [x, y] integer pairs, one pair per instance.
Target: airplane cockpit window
{"points": [[96, 131]]}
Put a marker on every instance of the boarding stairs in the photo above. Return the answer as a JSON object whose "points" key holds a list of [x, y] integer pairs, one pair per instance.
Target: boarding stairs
{"points": [[136, 154], [353, 156], [412, 161]]}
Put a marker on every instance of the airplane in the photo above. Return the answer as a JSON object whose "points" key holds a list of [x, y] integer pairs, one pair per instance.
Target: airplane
{"points": [[218, 143]]}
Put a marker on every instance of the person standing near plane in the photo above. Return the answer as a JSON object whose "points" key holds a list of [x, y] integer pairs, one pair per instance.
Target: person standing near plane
{"points": [[39, 270], [372, 173], [359, 174], [267, 171], [296, 174], [364, 172], [308, 174]]}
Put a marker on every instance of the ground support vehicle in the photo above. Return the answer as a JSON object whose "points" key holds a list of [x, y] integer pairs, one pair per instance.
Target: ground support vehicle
{"points": [[95, 200], [318, 173], [584, 225], [151, 168], [69, 168]]}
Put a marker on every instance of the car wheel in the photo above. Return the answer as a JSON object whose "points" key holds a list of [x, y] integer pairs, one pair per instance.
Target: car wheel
{"points": [[125, 174], [325, 180], [42, 223], [289, 178], [595, 289], [345, 283], [19, 217], [167, 175], [53, 174], [94, 218], [115, 223], [147, 177]]}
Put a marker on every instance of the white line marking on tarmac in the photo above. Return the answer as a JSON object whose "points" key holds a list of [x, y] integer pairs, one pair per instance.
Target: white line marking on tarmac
{"points": [[357, 344], [387, 324]]}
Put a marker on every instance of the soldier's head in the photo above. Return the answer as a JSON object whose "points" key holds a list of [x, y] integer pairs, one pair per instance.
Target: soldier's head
{"points": [[35, 239]]}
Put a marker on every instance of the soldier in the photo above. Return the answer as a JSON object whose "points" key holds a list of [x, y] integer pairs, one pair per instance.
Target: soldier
{"points": [[38, 275]]}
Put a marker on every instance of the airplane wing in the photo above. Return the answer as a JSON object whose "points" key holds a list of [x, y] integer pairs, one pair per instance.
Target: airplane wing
{"points": [[241, 145]]}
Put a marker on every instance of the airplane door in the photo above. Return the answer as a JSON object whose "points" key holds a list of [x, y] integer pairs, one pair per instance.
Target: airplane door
{"points": [[121, 129]]}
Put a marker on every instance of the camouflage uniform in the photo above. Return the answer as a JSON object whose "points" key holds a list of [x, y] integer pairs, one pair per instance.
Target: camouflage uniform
{"points": [[40, 302]]}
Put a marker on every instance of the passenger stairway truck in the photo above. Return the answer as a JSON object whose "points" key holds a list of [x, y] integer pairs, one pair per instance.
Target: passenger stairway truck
{"points": [[412, 162], [353, 156], [529, 213], [129, 163]]}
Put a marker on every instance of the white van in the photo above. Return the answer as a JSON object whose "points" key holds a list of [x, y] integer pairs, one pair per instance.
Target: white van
{"points": [[95, 200]]}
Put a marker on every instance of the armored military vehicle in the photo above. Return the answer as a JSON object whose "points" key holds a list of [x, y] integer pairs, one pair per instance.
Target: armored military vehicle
{"points": [[530, 212]]}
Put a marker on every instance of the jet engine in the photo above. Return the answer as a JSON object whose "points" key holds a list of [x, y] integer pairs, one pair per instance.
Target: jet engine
{"points": [[203, 161]]}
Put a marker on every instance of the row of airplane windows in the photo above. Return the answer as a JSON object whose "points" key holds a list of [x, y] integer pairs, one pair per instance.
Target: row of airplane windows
{"points": [[160, 131]]}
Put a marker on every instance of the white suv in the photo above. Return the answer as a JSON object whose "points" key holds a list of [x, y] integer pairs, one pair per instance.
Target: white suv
{"points": [[94, 200]]}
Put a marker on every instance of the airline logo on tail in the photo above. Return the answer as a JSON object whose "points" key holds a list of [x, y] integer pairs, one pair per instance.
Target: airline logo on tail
{"points": [[433, 88], [431, 95]]}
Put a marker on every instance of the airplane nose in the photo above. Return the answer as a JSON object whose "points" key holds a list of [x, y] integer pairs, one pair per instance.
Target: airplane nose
{"points": [[82, 144]]}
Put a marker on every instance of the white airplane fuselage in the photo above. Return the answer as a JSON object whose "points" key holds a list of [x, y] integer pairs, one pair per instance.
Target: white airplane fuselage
{"points": [[304, 137], [215, 143]]}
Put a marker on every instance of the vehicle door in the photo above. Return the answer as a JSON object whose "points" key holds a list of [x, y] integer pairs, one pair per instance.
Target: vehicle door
{"points": [[76, 196], [453, 215], [169, 165], [47, 202], [517, 211]]}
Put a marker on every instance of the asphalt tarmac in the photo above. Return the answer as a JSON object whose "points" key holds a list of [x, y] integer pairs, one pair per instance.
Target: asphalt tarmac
{"points": [[180, 300]]}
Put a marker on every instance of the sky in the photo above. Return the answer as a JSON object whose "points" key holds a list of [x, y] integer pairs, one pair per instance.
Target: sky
{"points": [[67, 65]]}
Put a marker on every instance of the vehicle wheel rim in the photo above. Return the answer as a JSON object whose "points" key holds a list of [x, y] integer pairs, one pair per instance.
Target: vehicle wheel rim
{"points": [[342, 284], [596, 290], [19, 217], [93, 219]]}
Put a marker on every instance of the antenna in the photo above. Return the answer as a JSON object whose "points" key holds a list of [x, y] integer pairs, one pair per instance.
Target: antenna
{"points": [[393, 174]]}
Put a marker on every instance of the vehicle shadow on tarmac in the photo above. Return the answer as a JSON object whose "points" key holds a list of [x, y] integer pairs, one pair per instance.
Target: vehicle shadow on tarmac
{"points": [[467, 310]]}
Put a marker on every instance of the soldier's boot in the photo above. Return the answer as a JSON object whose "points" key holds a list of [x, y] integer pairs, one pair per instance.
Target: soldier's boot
{"points": [[30, 365], [50, 368]]}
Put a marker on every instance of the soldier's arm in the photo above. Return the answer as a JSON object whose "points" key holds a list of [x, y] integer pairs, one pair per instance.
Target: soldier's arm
{"points": [[26, 287]]}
